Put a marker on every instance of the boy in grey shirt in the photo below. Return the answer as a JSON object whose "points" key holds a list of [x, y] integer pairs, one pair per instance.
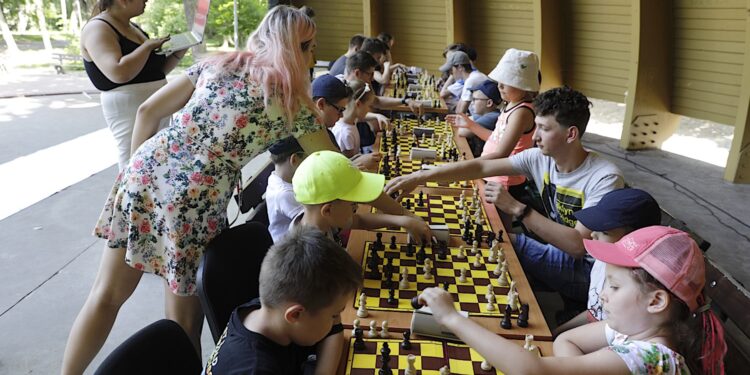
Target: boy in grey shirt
{"points": [[569, 179]]}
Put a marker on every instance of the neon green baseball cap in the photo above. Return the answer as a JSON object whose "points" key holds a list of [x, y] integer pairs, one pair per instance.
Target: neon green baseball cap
{"points": [[326, 176]]}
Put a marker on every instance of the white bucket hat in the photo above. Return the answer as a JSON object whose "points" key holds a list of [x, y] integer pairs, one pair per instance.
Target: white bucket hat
{"points": [[519, 69]]}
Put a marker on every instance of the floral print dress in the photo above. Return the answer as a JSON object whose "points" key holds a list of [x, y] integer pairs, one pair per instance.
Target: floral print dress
{"points": [[171, 200], [644, 357]]}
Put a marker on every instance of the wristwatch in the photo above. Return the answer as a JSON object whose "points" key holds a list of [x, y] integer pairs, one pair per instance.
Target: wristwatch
{"points": [[524, 213]]}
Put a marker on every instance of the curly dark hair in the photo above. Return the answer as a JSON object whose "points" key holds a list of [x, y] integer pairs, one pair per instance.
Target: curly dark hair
{"points": [[570, 107]]}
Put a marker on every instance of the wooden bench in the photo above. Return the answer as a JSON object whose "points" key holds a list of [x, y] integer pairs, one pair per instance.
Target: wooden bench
{"points": [[670, 221], [61, 57], [731, 303]]}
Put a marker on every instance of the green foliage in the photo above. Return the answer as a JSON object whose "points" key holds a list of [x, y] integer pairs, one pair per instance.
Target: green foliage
{"points": [[163, 17], [221, 18]]}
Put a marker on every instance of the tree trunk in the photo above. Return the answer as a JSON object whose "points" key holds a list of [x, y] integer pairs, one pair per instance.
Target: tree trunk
{"points": [[43, 25], [7, 36], [23, 17], [64, 14]]}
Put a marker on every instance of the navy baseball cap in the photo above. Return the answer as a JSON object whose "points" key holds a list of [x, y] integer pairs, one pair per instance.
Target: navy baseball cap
{"points": [[288, 145], [329, 87], [626, 207], [489, 88]]}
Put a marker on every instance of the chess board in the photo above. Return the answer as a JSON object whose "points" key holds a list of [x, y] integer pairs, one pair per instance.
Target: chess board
{"points": [[430, 357], [443, 209], [468, 296]]}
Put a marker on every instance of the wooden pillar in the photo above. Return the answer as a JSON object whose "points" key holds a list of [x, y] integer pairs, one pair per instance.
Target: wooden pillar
{"points": [[548, 41], [372, 13], [456, 13], [648, 121], [738, 163]]}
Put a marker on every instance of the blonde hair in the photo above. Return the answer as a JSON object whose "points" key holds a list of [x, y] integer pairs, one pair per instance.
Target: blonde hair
{"points": [[275, 58]]}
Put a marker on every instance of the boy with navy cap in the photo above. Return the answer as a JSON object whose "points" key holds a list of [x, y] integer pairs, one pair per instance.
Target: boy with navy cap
{"points": [[618, 213], [485, 100]]}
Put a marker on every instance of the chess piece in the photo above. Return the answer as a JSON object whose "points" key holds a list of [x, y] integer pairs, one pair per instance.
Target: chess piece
{"points": [[475, 190], [486, 366], [421, 199], [359, 342], [491, 302], [421, 254], [502, 280], [408, 204], [528, 345], [427, 268], [384, 334], [461, 252], [355, 326], [500, 236], [513, 296], [393, 243], [474, 247], [490, 237], [406, 344], [477, 261], [462, 276], [523, 316], [378, 245], [410, 249], [392, 296], [490, 291], [404, 283], [445, 370], [416, 304], [500, 254], [410, 368], [362, 311], [498, 269], [492, 258], [505, 323], [385, 353], [373, 333]]}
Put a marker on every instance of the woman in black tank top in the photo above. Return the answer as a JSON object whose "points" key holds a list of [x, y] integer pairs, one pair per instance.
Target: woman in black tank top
{"points": [[119, 57]]}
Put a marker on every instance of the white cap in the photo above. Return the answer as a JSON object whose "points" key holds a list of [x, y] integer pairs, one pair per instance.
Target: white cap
{"points": [[519, 69]]}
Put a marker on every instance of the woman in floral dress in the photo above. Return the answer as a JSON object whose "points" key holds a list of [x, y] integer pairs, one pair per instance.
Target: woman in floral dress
{"points": [[171, 199]]}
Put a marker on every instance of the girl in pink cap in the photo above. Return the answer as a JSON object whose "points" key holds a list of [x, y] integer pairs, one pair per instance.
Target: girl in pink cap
{"points": [[657, 319]]}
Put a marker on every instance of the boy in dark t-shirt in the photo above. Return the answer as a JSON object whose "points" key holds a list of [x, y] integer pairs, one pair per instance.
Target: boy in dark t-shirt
{"points": [[306, 280]]}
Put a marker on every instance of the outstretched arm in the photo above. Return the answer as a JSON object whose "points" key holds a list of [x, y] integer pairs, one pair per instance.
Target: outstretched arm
{"points": [[168, 100]]}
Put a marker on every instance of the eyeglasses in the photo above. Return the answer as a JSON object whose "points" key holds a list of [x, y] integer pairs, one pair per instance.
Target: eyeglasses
{"points": [[337, 108], [365, 91]]}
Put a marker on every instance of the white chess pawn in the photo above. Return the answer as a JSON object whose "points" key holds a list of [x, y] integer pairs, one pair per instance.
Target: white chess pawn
{"points": [[355, 325], [490, 291], [528, 345], [462, 276], [461, 252], [500, 254], [486, 366], [478, 260], [445, 370], [491, 303], [404, 284], [427, 268], [492, 258], [498, 269], [362, 311], [384, 334], [474, 247], [410, 368], [502, 280], [373, 332]]}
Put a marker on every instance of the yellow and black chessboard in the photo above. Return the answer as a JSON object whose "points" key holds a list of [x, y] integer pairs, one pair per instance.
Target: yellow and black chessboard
{"points": [[442, 210], [410, 166], [468, 296], [430, 357]]}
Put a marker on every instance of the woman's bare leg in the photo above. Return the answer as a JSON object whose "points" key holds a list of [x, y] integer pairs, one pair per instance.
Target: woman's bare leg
{"points": [[114, 284], [187, 312]]}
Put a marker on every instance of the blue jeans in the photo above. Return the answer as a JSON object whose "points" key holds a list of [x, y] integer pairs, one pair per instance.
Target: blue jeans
{"points": [[554, 268]]}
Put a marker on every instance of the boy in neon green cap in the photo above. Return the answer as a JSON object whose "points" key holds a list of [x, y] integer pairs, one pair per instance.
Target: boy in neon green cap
{"points": [[330, 187]]}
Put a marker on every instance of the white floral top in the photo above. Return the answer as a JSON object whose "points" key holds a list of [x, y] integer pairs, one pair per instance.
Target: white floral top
{"points": [[171, 200], [644, 357]]}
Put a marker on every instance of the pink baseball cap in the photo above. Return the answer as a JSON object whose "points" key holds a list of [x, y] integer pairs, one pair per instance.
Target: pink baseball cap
{"points": [[667, 254]]}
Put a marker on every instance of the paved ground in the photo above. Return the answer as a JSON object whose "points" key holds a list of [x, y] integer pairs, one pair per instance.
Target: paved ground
{"points": [[48, 258]]}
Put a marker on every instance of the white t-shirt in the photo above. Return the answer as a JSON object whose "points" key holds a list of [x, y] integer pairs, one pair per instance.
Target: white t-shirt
{"points": [[475, 79], [565, 193], [282, 207], [645, 357], [347, 136], [596, 284]]}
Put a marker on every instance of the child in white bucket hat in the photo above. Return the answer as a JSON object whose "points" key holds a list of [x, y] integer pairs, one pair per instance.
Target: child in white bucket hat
{"points": [[517, 77]]}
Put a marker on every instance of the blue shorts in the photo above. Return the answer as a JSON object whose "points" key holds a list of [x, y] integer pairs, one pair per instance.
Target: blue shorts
{"points": [[554, 268]]}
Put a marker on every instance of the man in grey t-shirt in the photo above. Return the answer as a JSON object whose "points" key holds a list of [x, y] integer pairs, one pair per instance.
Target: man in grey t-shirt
{"points": [[569, 179]]}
